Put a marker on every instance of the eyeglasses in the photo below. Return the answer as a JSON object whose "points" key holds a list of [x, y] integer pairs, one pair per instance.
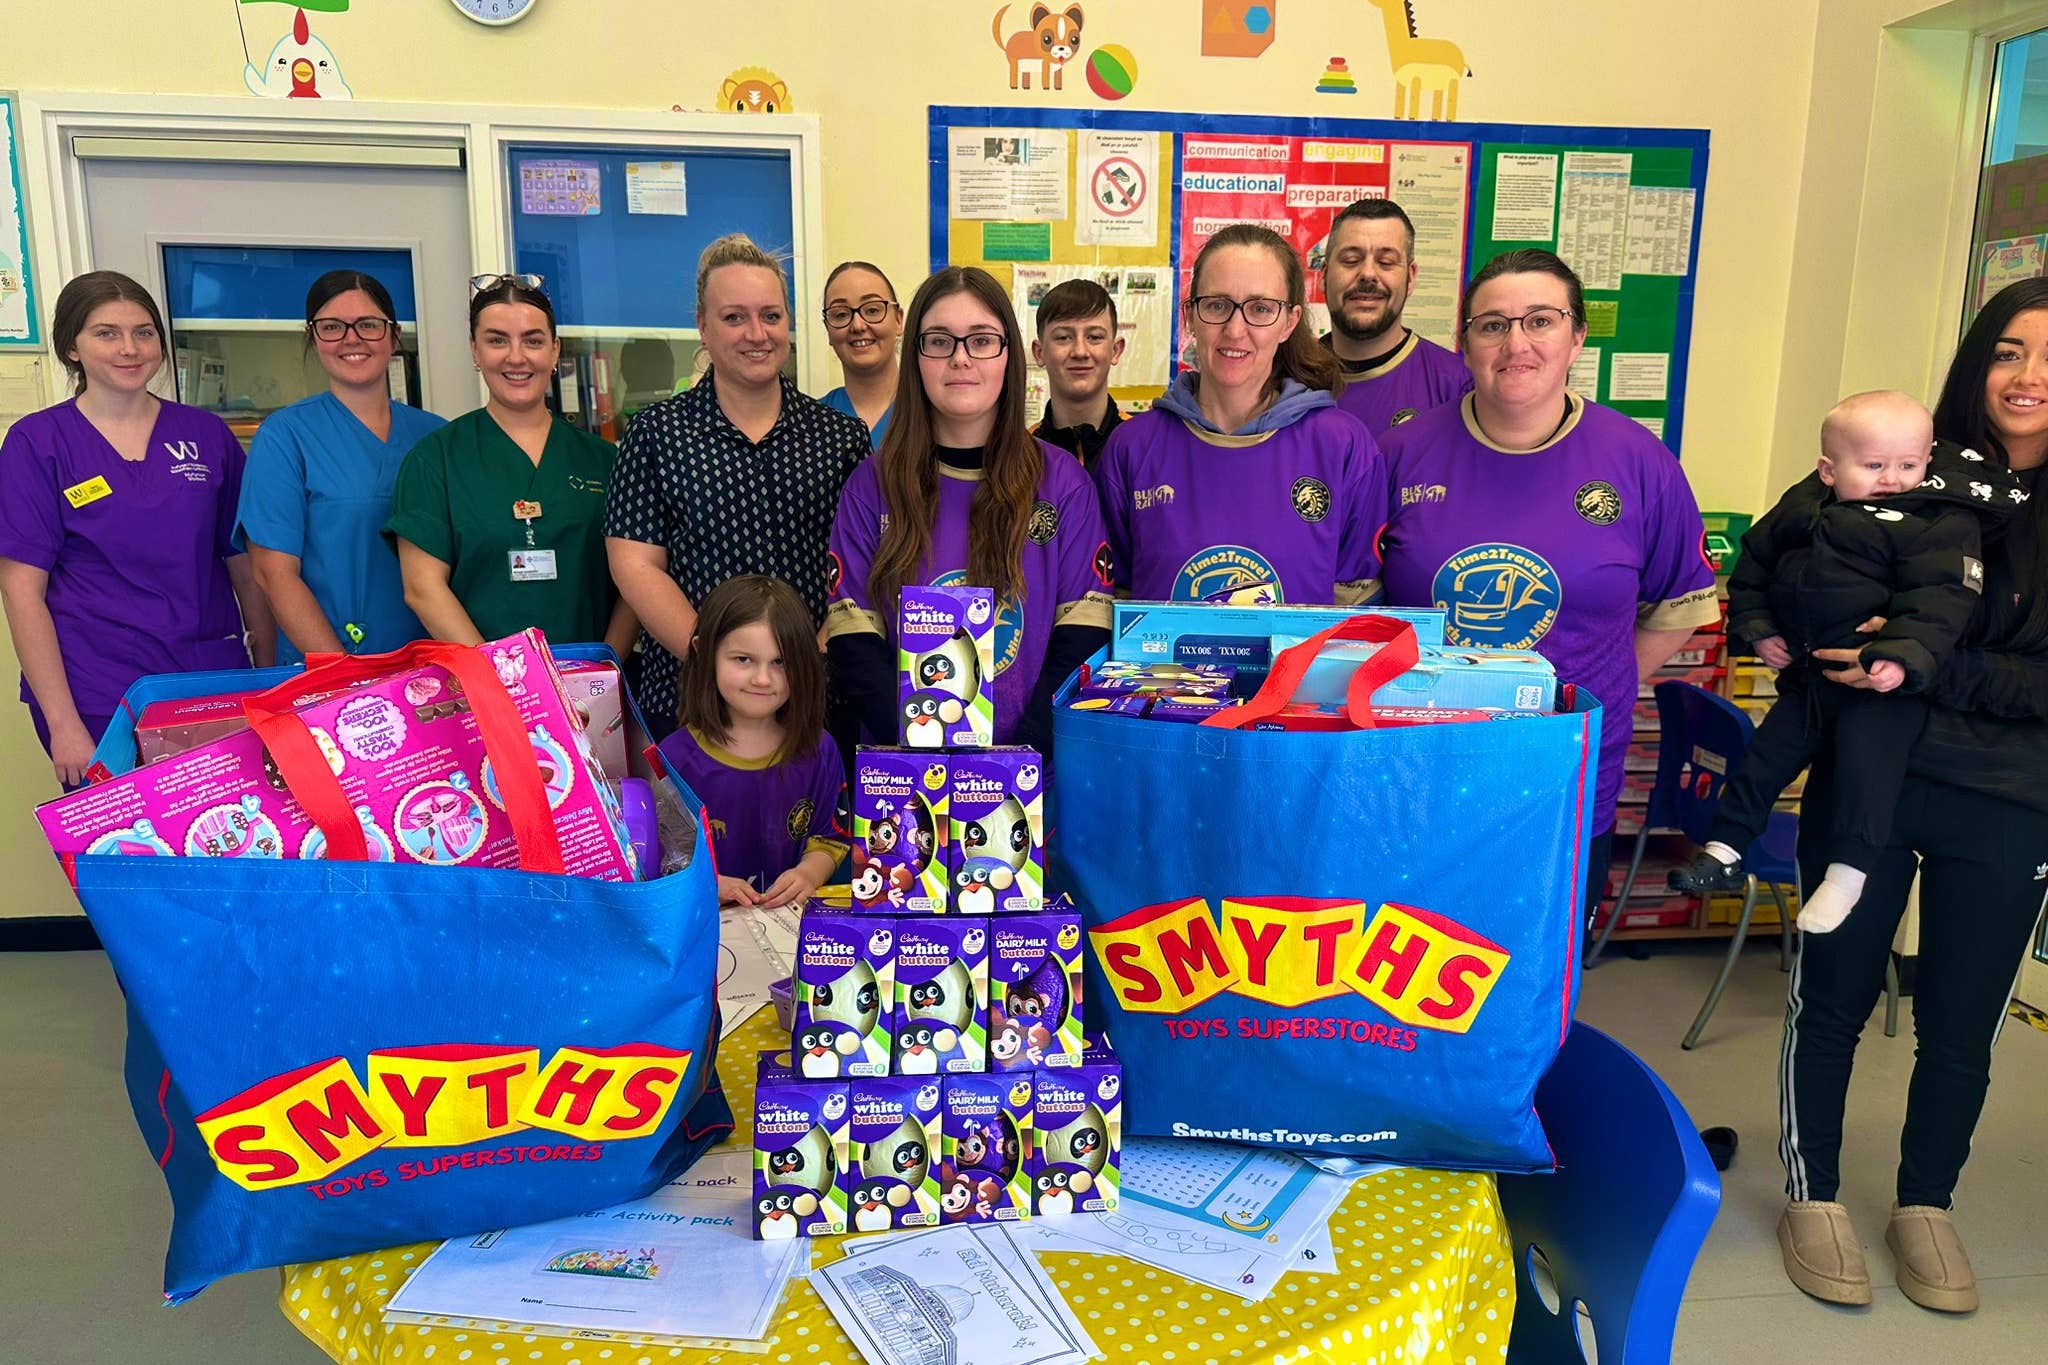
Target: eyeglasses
{"points": [[980, 345], [1491, 329], [334, 329], [479, 284], [1216, 309], [874, 311]]}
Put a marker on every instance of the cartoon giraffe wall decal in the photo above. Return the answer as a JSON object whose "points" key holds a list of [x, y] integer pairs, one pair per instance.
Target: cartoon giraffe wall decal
{"points": [[1420, 64]]}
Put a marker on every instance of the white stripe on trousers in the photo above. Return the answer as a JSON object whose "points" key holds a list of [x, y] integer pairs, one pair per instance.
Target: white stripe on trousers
{"points": [[1788, 1111]]}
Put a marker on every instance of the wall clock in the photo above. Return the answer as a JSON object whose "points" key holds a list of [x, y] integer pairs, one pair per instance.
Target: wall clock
{"points": [[494, 11]]}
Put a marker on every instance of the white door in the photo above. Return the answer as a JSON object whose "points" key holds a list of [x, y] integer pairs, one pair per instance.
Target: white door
{"points": [[137, 206]]}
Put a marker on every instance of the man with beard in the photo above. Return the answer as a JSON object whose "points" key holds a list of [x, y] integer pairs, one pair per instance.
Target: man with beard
{"points": [[1390, 373]]}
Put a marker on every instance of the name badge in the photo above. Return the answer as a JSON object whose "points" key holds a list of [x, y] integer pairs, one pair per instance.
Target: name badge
{"points": [[91, 491], [524, 510], [532, 566]]}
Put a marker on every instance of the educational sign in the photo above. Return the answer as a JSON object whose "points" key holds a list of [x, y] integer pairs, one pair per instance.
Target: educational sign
{"points": [[19, 325], [560, 189], [1298, 185], [1113, 186]]}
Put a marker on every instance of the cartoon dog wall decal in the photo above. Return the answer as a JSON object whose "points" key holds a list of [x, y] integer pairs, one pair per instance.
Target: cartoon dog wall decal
{"points": [[754, 90], [1053, 40], [300, 67]]}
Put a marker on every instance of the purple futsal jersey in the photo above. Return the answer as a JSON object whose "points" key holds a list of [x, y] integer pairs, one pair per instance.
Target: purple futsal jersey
{"points": [[764, 816], [1066, 569], [134, 549], [1420, 375], [1565, 550], [1289, 515]]}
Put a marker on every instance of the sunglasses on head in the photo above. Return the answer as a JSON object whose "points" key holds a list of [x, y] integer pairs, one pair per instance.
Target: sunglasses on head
{"points": [[480, 284]]}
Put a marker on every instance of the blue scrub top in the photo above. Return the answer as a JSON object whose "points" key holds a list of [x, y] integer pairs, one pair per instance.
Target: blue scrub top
{"points": [[839, 402], [318, 486]]}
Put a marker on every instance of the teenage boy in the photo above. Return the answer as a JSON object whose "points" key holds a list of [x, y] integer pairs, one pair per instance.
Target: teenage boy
{"points": [[1077, 344]]}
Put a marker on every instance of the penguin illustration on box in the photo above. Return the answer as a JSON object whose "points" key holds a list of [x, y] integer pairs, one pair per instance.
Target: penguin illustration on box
{"points": [[818, 1052], [1054, 1198], [776, 1216], [915, 1055], [870, 1211]]}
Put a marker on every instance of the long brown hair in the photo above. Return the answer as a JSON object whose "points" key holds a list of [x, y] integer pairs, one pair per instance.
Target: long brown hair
{"points": [[1301, 357], [909, 474], [76, 303], [743, 601]]}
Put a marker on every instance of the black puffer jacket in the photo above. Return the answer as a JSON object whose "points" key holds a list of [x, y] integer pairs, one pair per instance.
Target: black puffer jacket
{"points": [[1815, 568]]}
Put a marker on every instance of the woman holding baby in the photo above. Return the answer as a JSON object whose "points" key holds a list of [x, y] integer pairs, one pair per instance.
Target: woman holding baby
{"points": [[1972, 821]]}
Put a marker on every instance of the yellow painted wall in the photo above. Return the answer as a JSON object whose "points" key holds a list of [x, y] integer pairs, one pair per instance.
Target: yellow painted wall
{"points": [[1792, 128]]}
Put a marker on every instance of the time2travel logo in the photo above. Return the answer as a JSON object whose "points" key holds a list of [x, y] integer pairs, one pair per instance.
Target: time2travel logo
{"points": [[1231, 575], [1497, 597]]}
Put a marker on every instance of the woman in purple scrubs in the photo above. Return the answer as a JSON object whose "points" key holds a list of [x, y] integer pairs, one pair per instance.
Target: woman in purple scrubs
{"points": [[117, 511]]}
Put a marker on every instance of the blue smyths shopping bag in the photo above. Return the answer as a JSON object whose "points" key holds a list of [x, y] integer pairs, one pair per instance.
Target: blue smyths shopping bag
{"points": [[331, 1057], [1360, 942]]}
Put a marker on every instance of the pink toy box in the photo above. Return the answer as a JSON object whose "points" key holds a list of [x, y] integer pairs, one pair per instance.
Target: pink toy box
{"points": [[409, 758]]}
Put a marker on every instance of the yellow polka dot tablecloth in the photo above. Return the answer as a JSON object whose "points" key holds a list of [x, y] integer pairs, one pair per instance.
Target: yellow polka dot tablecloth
{"points": [[1424, 1275]]}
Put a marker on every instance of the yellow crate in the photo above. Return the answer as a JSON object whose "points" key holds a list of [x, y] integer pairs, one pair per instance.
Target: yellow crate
{"points": [[1728, 909]]}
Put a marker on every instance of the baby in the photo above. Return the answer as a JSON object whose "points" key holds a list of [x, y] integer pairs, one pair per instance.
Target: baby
{"points": [[1888, 529]]}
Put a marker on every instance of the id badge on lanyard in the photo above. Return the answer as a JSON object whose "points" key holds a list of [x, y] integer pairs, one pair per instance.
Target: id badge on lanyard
{"points": [[530, 565]]}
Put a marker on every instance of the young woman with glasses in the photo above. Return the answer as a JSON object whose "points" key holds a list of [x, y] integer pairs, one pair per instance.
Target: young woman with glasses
{"points": [[864, 323], [318, 489], [960, 492], [498, 517], [1245, 483], [1543, 521]]}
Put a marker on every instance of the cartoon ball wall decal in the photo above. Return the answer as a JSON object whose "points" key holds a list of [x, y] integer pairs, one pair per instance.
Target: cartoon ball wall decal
{"points": [[1112, 71]]}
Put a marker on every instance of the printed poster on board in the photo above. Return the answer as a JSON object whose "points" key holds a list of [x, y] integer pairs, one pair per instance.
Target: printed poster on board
{"points": [[1298, 185]]}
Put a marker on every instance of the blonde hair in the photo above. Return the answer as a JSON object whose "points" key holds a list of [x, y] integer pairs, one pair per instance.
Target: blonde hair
{"points": [[735, 248]]}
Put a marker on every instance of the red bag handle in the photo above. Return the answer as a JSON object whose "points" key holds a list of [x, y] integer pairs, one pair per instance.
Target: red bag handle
{"points": [[1398, 653], [315, 787]]}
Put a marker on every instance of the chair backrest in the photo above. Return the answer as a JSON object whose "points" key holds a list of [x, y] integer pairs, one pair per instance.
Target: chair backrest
{"points": [[1707, 736], [1623, 1218]]}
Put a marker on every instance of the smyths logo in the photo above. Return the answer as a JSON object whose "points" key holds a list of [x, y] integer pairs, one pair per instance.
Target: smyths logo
{"points": [[1291, 951], [305, 1125]]}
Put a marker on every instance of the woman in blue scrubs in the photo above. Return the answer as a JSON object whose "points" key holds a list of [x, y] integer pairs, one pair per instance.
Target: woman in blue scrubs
{"points": [[318, 488]]}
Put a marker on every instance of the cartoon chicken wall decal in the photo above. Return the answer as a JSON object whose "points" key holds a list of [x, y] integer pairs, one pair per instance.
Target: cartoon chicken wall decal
{"points": [[300, 67]]}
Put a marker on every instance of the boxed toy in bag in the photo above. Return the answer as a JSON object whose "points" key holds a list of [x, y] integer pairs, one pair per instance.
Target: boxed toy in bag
{"points": [[800, 1134], [1467, 679], [946, 671], [411, 765], [893, 1154], [901, 859], [1034, 987], [845, 995], [995, 811], [1239, 637], [941, 995]]}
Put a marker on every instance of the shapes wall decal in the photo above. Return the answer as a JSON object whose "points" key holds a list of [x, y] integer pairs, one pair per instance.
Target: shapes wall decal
{"points": [[1112, 71], [1052, 40], [754, 90], [300, 66], [1337, 79], [1421, 65], [1238, 28]]}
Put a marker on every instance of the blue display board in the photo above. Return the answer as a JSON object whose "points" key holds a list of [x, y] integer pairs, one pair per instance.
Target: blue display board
{"points": [[21, 321], [212, 283], [618, 254]]}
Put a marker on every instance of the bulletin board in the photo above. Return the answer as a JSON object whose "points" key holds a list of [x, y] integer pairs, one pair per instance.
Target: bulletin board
{"points": [[1036, 195], [607, 227], [20, 318]]}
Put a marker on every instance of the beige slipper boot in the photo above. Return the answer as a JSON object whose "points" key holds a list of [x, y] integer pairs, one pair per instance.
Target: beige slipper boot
{"points": [[1934, 1271], [1823, 1255]]}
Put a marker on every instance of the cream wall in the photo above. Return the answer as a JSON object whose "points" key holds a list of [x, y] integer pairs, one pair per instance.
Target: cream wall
{"points": [[1787, 89]]}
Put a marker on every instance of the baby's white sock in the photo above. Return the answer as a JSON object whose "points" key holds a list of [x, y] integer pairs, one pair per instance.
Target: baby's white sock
{"points": [[1723, 853], [1832, 900]]}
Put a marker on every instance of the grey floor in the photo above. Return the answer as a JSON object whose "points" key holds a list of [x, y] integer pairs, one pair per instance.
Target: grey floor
{"points": [[83, 1213]]}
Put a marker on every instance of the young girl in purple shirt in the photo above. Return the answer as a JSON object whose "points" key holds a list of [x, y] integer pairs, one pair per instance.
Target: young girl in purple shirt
{"points": [[117, 517], [751, 743]]}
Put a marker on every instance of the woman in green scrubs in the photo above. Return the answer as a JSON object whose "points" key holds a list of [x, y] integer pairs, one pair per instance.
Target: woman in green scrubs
{"points": [[498, 517]]}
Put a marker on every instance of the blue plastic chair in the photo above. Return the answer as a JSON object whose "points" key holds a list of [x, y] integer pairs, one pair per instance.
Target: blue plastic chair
{"points": [[1619, 1225], [1702, 739]]}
